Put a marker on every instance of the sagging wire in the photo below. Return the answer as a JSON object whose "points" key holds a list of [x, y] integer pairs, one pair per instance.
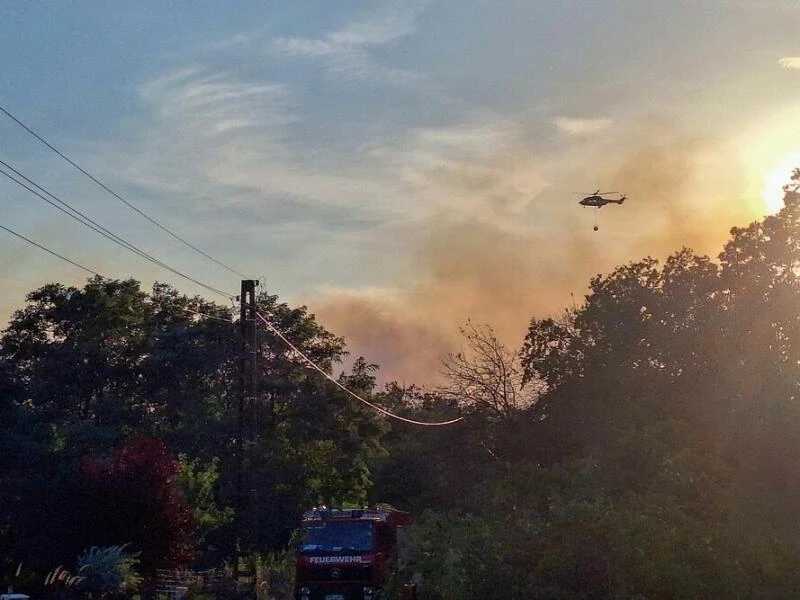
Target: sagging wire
{"points": [[327, 376]]}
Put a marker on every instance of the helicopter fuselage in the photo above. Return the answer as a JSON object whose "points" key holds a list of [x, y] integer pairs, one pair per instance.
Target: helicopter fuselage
{"points": [[599, 201]]}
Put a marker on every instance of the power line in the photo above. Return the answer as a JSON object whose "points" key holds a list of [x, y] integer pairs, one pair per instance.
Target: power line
{"points": [[67, 209], [327, 376], [91, 224], [271, 328], [75, 214], [56, 254], [93, 272], [116, 195]]}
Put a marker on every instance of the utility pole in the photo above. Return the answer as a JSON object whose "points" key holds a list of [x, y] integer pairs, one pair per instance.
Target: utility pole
{"points": [[247, 425], [249, 347]]}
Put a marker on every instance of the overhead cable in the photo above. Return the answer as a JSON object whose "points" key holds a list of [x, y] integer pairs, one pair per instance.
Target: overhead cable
{"points": [[67, 209], [56, 254], [116, 195], [274, 330], [87, 269], [327, 376]]}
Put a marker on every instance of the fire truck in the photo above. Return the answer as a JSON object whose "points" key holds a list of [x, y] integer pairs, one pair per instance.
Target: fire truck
{"points": [[347, 554]]}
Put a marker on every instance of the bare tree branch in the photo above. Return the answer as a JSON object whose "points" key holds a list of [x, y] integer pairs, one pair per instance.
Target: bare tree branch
{"points": [[487, 377]]}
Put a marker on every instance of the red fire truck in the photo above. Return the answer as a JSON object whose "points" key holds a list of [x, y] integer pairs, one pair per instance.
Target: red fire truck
{"points": [[347, 554]]}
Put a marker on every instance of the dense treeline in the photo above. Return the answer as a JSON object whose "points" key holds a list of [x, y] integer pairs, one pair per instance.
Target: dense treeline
{"points": [[122, 425], [659, 457], [641, 445]]}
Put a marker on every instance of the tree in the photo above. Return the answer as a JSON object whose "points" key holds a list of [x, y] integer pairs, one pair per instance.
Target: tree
{"points": [[198, 483], [98, 328], [132, 497], [486, 377], [679, 385], [95, 366], [659, 456], [632, 356], [423, 467], [309, 441]]}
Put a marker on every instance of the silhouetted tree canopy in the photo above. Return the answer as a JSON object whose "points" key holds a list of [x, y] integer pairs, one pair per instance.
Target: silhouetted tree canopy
{"points": [[85, 370], [659, 459]]}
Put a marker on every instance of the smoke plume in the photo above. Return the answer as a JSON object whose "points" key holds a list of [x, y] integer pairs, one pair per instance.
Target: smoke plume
{"points": [[520, 257]]}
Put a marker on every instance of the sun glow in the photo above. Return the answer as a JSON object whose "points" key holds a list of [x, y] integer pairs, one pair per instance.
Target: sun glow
{"points": [[770, 151], [775, 177]]}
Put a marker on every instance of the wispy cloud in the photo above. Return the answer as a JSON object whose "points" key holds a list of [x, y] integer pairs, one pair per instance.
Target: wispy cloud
{"points": [[234, 144], [577, 127], [245, 145], [346, 51], [386, 24], [211, 104], [790, 62], [478, 168], [236, 40]]}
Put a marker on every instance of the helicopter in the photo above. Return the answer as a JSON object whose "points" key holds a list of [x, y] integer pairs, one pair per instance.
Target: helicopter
{"points": [[596, 200]]}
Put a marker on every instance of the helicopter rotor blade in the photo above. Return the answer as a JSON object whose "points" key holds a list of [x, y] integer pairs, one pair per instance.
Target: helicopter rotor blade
{"points": [[597, 193]]}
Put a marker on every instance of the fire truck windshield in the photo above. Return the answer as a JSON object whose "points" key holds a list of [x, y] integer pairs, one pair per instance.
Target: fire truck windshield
{"points": [[336, 537]]}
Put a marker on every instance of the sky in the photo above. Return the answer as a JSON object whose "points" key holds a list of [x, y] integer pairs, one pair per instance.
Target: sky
{"points": [[399, 167]]}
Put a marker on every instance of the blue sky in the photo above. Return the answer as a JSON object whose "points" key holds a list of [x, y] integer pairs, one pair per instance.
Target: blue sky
{"points": [[400, 167]]}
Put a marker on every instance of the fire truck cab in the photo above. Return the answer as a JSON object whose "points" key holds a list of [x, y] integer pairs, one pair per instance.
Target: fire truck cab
{"points": [[347, 554]]}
